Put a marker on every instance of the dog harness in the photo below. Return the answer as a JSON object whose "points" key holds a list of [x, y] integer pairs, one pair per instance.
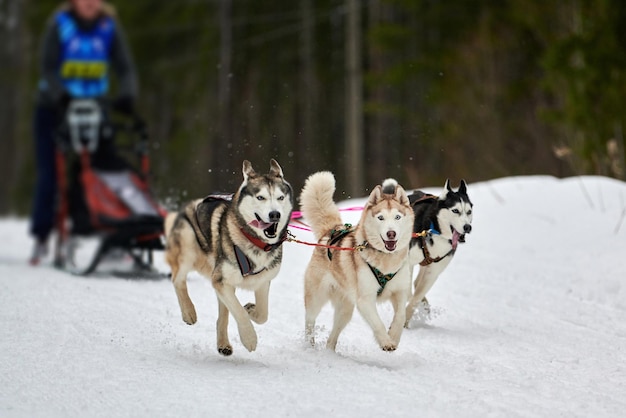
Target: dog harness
{"points": [[421, 236], [200, 219], [245, 266], [202, 223], [381, 278], [422, 243], [337, 235]]}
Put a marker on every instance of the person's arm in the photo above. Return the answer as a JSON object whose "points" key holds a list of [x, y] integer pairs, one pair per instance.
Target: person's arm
{"points": [[52, 87], [123, 66]]}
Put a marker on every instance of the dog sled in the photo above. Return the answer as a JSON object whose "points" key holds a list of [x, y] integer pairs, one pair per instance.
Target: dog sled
{"points": [[106, 211]]}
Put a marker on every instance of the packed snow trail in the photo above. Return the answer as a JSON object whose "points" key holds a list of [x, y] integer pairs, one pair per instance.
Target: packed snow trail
{"points": [[528, 320]]}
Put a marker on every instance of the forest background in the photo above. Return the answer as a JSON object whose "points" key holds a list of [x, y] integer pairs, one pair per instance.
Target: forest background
{"points": [[419, 90]]}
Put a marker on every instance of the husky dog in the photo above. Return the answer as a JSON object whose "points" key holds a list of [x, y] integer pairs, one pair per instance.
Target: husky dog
{"points": [[371, 267], [440, 224], [235, 240]]}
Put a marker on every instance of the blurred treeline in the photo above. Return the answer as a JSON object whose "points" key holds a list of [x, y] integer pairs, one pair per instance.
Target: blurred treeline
{"points": [[472, 89]]}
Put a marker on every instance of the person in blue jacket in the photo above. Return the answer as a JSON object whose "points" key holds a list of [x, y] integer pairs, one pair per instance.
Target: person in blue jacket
{"points": [[82, 43]]}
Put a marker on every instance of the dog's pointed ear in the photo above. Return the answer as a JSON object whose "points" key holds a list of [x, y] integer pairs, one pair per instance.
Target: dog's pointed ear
{"points": [[275, 169], [248, 171], [401, 196], [446, 189], [463, 188], [375, 196]]}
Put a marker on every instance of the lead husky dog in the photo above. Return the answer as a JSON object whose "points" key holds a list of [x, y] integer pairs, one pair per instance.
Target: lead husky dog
{"points": [[376, 268], [442, 223], [237, 244]]}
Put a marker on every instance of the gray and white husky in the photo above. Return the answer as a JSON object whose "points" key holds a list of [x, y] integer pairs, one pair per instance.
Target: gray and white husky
{"points": [[235, 241], [441, 222]]}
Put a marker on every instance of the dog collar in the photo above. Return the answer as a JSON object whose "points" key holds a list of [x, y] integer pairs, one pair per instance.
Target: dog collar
{"points": [[245, 266], [264, 245]]}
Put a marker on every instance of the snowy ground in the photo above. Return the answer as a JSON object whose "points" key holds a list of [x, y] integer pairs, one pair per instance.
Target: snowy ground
{"points": [[529, 320]]}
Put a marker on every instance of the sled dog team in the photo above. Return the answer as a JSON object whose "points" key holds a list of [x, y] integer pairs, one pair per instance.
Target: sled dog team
{"points": [[236, 242]]}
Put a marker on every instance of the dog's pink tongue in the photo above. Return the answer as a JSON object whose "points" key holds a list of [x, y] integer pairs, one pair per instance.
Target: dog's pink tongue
{"points": [[455, 239], [259, 224], [390, 245]]}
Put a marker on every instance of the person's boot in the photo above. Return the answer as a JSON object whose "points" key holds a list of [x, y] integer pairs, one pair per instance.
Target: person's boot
{"points": [[40, 251]]}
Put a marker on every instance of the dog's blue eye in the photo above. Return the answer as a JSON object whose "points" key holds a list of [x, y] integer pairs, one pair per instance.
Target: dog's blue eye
{"points": [[398, 217], [260, 198], [455, 211]]}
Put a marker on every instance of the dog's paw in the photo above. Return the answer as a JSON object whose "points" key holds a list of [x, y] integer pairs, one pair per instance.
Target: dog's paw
{"points": [[250, 344], [331, 345], [309, 337], [226, 350], [189, 316], [311, 333], [389, 347], [395, 334], [251, 309], [423, 315], [255, 314], [248, 339]]}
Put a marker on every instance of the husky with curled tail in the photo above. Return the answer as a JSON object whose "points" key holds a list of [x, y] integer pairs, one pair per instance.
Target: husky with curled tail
{"points": [[236, 242], [373, 269]]}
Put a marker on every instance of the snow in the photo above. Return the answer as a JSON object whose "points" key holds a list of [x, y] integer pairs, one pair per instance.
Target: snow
{"points": [[529, 320]]}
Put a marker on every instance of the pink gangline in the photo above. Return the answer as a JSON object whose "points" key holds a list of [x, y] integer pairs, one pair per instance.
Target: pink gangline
{"points": [[297, 214], [303, 228], [351, 209]]}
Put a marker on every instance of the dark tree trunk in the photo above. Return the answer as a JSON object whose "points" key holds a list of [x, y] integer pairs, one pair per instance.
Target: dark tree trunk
{"points": [[13, 79], [354, 100], [307, 155], [223, 147]]}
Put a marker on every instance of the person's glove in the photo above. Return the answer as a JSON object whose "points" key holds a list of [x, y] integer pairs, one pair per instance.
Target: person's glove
{"points": [[124, 105], [60, 106], [64, 100]]}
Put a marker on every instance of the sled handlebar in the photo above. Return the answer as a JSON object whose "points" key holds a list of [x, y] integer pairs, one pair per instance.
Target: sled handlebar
{"points": [[87, 122]]}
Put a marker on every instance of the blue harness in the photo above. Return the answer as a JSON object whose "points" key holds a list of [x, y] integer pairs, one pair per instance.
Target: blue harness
{"points": [[84, 58]]}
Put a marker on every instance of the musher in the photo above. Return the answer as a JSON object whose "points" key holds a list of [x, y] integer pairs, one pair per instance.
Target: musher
{"points": [[82, 40]]}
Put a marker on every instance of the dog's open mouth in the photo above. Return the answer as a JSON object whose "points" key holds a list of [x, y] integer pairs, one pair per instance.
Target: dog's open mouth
{"points": [[269, 228], [270, 231], [390, 245]]}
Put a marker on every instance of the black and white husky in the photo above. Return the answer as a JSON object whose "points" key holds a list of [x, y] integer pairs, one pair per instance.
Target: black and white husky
{"points": [[441, 222], [235, 241]]}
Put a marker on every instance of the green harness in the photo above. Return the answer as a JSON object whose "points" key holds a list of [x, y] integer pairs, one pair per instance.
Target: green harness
{"points": [[337, 235], [381, 278]]}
